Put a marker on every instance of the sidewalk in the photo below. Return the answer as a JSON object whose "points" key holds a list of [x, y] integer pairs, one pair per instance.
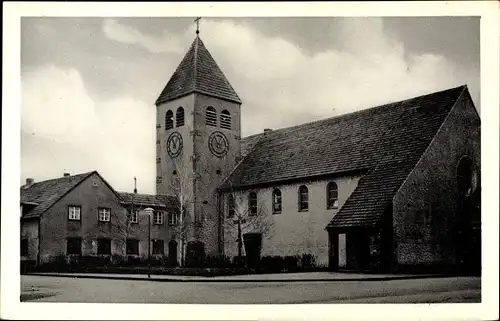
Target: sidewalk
{"points": [[278, 277]]}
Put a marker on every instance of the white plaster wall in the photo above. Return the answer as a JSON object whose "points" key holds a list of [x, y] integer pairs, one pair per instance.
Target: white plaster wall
{"points": [[295, 232]]}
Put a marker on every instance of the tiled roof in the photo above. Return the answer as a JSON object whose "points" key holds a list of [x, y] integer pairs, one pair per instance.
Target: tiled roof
{"points": [[386, 140], [48, 192], [148, 200], [198, 72]]}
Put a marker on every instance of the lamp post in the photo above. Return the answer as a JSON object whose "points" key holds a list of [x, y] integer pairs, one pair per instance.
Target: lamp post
{"points": [[149, 211]]}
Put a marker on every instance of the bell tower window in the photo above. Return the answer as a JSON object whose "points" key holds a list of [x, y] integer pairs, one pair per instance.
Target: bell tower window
{"points": [[225, 119], [179, 117], [169, 120], [211, 117]]}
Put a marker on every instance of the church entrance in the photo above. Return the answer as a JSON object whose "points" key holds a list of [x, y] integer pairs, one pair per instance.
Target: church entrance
{"points": [[172, 253], [253, 245], [349, 249]]}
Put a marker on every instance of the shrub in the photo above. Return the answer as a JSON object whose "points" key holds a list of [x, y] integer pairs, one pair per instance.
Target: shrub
{"points": [[307, 261], [217, 261], [239, 261]]}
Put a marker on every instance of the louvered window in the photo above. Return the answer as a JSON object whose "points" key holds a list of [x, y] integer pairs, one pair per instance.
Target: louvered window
{"points": [[225, 119], [169, 120], [211, 116], [179, 117]]}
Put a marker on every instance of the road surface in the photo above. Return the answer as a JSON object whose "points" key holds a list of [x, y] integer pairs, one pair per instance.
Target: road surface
{"points": [[431, 290]]}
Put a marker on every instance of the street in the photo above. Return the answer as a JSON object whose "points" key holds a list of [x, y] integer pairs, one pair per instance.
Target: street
{"points": [[431, 290]]}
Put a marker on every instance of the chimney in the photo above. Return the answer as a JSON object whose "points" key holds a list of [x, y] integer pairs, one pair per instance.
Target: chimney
{"points": [[267, 130], [67, 174], [29, 182]]}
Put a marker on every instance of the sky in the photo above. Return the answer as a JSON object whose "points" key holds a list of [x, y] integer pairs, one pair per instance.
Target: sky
{"points": [[88, 85]]}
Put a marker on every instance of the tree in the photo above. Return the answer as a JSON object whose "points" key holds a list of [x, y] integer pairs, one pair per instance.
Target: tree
{"points": [[242, 215]]}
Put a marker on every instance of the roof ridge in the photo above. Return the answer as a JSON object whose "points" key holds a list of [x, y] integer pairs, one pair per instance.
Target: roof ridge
{"points": [[357, 111], [62, 177]]}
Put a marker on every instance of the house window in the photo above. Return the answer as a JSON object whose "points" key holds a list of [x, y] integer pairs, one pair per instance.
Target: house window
{"points": [[173, 219], [211, 116], [158, 246], [179, 117], [230, 205], [158, 218], [24, 247], [104, 214], [169, 120], [276, 201], [303, 198], [132, 247], [252, 203], [104, 246], [225, 119], [133, 216], [74, 245], [74, 213], [332, 195]]}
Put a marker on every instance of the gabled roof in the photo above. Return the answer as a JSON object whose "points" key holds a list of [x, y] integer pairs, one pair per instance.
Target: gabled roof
{"points": [[404, 144], [385, 141], [346, 143], [198, 72], [148, 200], [47, 193]]}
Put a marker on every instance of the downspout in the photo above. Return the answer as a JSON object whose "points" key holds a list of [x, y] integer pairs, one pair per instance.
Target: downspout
{"points": [[219, 224]]}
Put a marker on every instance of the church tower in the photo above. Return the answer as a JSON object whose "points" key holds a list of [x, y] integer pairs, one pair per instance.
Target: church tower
{"points": [[198, 131]]}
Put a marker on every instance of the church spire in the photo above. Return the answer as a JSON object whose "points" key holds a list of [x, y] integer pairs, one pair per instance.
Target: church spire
{"points": [[198, 72]]}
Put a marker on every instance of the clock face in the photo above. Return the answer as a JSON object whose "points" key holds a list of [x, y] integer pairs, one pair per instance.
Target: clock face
{"points": [[218, 144], [174, 144]]}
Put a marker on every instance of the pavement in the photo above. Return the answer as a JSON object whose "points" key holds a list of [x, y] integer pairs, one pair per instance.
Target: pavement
{"points": [[109, 290], [276, 277]]}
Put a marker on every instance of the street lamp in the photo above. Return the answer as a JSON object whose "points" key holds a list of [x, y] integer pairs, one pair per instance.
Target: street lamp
{"points": [[149, 211]]}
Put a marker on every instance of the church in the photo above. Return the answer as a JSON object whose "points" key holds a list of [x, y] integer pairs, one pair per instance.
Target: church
{"points": [[384, 188]]}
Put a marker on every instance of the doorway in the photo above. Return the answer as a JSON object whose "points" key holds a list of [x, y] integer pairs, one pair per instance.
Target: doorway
{"points": [[172, 253]]}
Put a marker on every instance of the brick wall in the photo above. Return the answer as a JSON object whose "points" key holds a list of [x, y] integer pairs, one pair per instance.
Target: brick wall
{"points": [[29, 231], [427, 201]]}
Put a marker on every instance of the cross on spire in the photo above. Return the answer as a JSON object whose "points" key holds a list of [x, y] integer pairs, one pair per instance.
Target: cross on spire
{"points": [[197, 20]]}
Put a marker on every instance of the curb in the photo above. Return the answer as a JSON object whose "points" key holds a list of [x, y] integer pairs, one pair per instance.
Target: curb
{"points": [[122, 278]]}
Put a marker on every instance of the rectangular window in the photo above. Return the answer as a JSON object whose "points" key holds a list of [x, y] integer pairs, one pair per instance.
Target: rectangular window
{"points": [[133, 216], [133, 247], [104, 246], [157, 246], [173, 219], [158, 218], [104, 214], [74, 213], [24, 247], [74, 245]]}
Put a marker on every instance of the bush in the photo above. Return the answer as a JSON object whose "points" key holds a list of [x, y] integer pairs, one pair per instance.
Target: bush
{"points": [[307, 261], [239, 261], [195, 254], [217, 261]]}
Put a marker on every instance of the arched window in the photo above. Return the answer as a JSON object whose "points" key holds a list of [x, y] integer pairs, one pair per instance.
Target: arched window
{"points": [[252, 203], [466, 179], [169, 120], [230, 205], [179, 117], [225, 119], [276, 201], [303, 198], [332, 195], [211, 116]]}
